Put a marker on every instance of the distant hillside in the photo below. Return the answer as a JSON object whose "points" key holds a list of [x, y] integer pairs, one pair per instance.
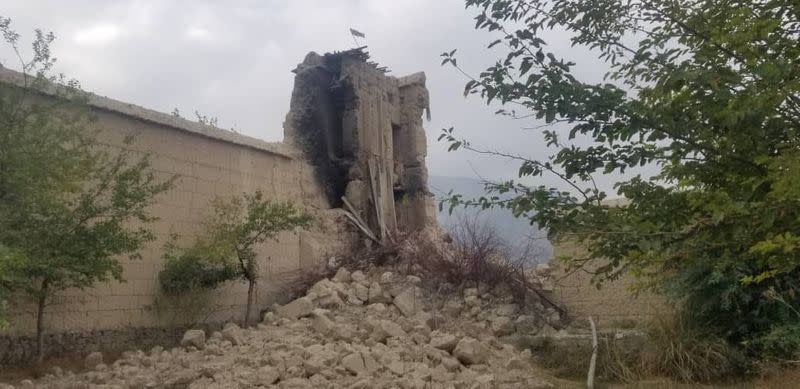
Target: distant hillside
{"points": [[515, 231]]}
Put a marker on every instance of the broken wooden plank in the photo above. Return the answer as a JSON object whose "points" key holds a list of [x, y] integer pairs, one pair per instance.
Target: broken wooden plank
{"points": [[376, 200], [363, 229]]}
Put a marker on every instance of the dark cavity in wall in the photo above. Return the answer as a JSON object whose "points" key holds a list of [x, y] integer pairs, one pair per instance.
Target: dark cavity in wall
{"points": [[315, 122]]}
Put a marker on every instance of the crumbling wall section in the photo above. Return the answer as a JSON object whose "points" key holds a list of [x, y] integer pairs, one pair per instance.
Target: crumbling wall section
{"points": [[377, 148]]}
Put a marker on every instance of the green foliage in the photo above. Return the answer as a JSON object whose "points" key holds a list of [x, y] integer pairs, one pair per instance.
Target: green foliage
{"points": [[69, 207], [780, 343], [227, 249], [193, 268], [708, 93]]}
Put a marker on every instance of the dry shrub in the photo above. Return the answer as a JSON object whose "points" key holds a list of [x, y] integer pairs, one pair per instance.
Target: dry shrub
{"points": [[472, 254]]}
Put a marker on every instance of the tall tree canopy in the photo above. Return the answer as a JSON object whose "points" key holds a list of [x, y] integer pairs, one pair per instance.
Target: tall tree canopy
{"points": [[709, 93]]}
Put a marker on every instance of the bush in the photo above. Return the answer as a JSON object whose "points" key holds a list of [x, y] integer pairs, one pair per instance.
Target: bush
{"points": [[782, 343], [190, 272], [227, 248]]}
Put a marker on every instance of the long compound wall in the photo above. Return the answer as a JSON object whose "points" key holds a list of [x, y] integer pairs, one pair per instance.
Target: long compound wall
{"points": [[209, 162], [614, 304]]}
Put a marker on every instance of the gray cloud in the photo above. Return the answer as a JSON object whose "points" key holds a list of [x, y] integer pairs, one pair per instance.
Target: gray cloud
{"points": [[233, 60]]}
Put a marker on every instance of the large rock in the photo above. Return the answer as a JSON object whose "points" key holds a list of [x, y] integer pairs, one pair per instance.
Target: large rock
{"points": [[502, 326], [526, 324], [384, 329], [409, 301], [295, 309], [233, 334], [342, 276], [321, 323], [506, 310], [267, 375], [361, 292], [330, 301], [358, 276], [354, 363], [377, 294], [92, 360], [443, 341], [471, 351], [196, 338]]}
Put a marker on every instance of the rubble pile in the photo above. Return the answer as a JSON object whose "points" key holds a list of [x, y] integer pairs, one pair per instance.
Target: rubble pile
{"points": [[354, 330]]}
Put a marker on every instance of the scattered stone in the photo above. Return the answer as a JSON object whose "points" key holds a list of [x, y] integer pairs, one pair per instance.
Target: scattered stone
{"points": [[321, 322], [387, 278], [409, 301], [391, 342], [26, 384], [506, 310], [502, 326], [233, 334], [342, 275], [413, 280], [354, 363], [443, 341], [470, 351], [526, 324], [361, 292], [92, 360], [516, 363], [358, 276], [194, 338], [295, 309], [377, 295]]}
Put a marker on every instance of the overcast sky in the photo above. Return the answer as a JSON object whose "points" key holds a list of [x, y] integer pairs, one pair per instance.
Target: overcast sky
{"points": [[233, 60]]}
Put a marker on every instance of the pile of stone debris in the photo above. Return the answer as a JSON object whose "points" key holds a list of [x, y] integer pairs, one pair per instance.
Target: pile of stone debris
{"points": [[353, 330]]}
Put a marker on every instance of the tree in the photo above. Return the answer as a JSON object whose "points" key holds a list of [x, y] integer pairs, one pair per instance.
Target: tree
{"points": [[708, 93], [69, 207], [227, 248]]}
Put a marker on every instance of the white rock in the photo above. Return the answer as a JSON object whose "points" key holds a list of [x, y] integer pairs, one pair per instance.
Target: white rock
{"points": [[471, 351], [443, 341], [342, 275], [92, 360], [321, 323], [414, 280], [358, 276], [506, 310], [361, 292], [526, 324], [377, 295], [295, 309], [502, 326], [194, 338], [387, 277], [409, 301], [233, 334], [516, 363], [393, 329], [354, 363], [330, 301]]}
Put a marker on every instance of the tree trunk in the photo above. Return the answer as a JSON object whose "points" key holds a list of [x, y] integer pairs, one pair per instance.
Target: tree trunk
{"points": [[251, 289], [40, 322]]}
